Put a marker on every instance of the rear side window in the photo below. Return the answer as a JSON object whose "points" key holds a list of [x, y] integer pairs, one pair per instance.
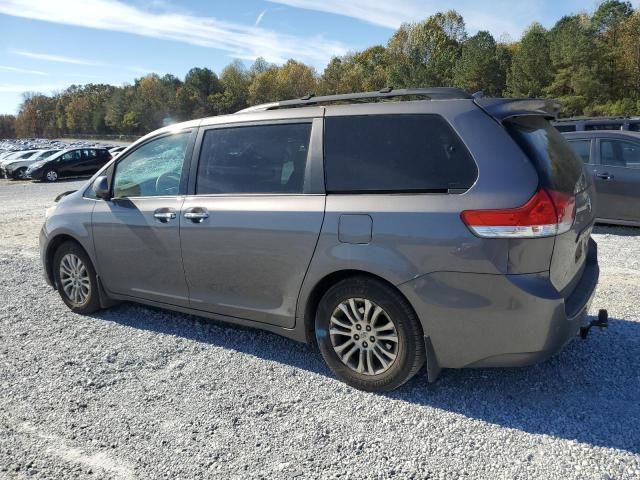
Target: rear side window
{"points": [[582, 149], [255, 159], [395, 153], [558, 166]]}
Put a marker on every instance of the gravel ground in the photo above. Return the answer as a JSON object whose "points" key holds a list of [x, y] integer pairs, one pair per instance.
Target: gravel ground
{"points": [[140, 393]]}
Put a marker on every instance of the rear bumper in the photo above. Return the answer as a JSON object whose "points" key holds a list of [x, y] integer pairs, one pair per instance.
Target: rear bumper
{"points": [[481, 320]]}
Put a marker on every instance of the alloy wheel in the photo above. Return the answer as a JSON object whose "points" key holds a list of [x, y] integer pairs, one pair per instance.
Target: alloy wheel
{"points": [[363, 336], [74, 277]]}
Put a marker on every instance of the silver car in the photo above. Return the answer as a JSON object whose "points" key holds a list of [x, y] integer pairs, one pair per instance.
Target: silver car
{"points": [[445, 232]]}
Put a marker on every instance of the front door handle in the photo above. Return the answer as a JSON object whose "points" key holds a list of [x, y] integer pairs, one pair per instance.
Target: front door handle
{"points": [[604, 176], [196, 214], [164, 215]]}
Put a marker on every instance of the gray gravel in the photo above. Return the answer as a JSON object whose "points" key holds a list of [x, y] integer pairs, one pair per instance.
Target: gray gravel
{"points": [[140, 393]]}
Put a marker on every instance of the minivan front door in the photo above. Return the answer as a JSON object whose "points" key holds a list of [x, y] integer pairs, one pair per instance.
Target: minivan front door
{"points": [[617, 180], [137, 232], [249, 231]]}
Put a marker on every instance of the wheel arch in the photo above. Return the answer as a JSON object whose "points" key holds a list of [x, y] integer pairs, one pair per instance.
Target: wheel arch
{"points": [[52, 246], [316, 293]]}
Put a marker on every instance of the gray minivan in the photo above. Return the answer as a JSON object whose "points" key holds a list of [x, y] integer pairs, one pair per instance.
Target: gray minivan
{"points": [[443, 230]]}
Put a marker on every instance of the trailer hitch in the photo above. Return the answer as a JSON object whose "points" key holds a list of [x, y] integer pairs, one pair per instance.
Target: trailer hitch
{"points": [[602, 322]]}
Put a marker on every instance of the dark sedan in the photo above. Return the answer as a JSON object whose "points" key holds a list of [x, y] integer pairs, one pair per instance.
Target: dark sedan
{"points": [[613, 158], [75, 162]]}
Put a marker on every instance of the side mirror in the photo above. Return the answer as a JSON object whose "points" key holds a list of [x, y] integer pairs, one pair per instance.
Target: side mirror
{"points": [[101, 187]]}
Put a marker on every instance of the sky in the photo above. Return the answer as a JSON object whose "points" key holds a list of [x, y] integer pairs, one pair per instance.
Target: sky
{"points": [[47, 45]]}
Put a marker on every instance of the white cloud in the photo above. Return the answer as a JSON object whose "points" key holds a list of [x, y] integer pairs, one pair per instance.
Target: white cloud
{"points": [[21, 88], [501, 16], [52, 58], [7, 68], [260, 17], [238, 40]]}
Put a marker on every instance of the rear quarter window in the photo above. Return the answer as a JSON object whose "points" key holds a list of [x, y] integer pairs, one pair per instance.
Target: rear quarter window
{"points": [[395, 153], [558, 166]]}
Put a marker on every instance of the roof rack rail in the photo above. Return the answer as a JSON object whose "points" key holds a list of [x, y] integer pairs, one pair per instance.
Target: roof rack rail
{"points": [[435, 93]]}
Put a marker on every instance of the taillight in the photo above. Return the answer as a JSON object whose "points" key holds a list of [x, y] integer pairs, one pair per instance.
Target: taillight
{"points": [[547, 213]]}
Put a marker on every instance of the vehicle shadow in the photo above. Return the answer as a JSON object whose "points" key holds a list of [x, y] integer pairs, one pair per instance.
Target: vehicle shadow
{"points": [[590, 392]]}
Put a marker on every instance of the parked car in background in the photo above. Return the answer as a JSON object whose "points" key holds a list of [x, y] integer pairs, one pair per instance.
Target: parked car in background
{"points": [[16, 168], [613, 158], [76, 162], [597, 123], [454, 232], [116, 151]]}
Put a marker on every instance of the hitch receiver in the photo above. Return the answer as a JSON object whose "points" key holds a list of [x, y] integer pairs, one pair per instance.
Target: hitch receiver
{"points": [[602, 322]]}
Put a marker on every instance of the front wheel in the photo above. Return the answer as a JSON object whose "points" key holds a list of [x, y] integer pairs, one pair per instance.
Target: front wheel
{"points": [[20, 174], [369, 335], [50, 176], [76, 278]]}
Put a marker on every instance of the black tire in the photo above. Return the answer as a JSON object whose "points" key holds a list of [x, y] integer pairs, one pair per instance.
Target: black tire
{"points": [[20, 174], [92, 303], [410, 348], [50, 175]]}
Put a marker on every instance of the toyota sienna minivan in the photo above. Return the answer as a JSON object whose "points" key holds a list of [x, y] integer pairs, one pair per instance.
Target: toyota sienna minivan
{"points": [[442, 231]]}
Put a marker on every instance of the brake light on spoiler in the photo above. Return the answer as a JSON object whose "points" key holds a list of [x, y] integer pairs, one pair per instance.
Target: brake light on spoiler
{"points": [[546, 214]]}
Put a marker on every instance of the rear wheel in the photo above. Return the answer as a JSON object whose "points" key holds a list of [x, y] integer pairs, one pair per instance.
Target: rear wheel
{"points": [[369, 335], [50, 176], [76, 278]]}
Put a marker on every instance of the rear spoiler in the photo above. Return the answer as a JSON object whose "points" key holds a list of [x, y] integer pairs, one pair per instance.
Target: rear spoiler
{"points": [[504, 108]]}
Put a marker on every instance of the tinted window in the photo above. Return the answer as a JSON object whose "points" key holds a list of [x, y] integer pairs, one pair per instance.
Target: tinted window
{"points": [[634, 127], [153, 169], [603, 126], [620, 153], [582, 149], [395, 153], [559, 168], [257, 159], [566, 128]]}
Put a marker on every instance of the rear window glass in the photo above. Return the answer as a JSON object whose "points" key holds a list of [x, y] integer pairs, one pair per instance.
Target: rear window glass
{"points": [[395, 153], [558, 166]]}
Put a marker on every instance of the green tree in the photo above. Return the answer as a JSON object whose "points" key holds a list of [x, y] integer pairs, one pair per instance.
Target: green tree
{"points": [[530, 73], [424, 54], [478, 67]]}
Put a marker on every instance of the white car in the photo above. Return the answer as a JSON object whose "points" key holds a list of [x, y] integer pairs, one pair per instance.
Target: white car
{"points": [[16, 166]]}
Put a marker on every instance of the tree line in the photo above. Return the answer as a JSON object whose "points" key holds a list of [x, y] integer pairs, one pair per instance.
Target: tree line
{"points": [[588, 61]]}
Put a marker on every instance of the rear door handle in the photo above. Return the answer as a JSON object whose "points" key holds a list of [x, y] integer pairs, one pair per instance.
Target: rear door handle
{"points": [[164, 215], [196, 214], [604, 176]]}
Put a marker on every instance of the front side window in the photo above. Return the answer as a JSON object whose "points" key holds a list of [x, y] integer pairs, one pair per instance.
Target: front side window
{"points": [[619, 153], [154, 169], [582, 149], [254, 159], [395, 153]]}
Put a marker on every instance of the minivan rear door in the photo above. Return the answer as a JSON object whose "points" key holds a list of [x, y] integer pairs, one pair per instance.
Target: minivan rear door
{"points": [[251, 222], [561, 171]]}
